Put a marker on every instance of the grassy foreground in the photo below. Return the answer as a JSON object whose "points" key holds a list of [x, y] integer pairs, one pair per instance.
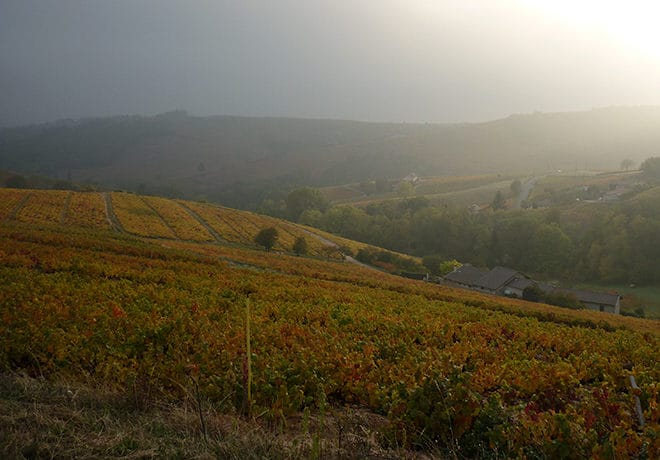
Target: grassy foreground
{"points": [[44, 419]]}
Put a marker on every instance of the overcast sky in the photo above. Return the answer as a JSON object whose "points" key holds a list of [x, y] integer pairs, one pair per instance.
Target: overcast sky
{"points": [[380, 60]]}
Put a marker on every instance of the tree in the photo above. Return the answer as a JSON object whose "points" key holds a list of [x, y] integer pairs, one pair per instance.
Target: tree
{"points": [[303, 199], [533, 293], [433, 263], [627, 163], [405, 189], [516, 187], [300, 246], [266, 238], [449, 266], [651, 168], [498, 201]]}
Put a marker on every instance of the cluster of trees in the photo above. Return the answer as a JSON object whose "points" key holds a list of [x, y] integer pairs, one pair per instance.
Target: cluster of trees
{"points": [[651, 169], [267, 238], [590, 242], [13, 180]]}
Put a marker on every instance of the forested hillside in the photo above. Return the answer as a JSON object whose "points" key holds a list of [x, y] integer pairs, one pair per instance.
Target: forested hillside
{"points": [[615, 242], [241, 161]]}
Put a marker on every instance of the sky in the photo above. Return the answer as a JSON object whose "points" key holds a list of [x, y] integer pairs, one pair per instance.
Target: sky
{"points": [[375, 60]]}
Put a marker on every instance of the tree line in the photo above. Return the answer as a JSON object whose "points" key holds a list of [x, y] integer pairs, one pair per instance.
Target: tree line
{"points": [[610, 243]]}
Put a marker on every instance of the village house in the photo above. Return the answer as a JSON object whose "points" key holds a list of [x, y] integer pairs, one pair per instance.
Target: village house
{"points": [[411, 178], [508, 282], [490, 281], [465, 276], [599, 301], [496, 280], [517, 287]]}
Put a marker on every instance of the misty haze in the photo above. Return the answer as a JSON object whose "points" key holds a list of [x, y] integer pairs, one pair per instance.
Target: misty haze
{"points": [[329, 229]]}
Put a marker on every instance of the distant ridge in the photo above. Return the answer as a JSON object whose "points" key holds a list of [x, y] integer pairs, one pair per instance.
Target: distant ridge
{"points": [[242, 160]]}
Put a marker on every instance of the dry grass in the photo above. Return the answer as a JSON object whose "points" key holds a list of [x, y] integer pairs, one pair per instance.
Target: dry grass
{"points": [[41, 419]]}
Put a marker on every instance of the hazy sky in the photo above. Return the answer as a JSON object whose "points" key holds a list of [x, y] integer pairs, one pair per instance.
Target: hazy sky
{"points": [[390, 60]]}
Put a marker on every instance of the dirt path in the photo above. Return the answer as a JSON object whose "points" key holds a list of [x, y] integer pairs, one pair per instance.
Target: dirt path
{"points": [[332, 244], [203, 223], [162, 220], [65, 210], [20, 205], [110, 214]]}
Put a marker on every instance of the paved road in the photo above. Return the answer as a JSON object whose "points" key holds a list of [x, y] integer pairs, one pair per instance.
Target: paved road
{"points": [[525, 189]]}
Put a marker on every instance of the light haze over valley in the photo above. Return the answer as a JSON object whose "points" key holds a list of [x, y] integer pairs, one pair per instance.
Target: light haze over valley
{"points": [[330, 229]]}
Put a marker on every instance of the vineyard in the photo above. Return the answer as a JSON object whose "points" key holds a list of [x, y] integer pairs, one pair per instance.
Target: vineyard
{"points": [[450, 371], [155, 217]]}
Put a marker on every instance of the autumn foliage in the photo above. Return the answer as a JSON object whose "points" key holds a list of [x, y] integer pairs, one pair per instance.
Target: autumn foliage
{"points": [[469, 374]]}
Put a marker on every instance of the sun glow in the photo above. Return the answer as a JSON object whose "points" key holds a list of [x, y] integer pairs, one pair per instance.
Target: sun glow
{"points": [[632, 24]]}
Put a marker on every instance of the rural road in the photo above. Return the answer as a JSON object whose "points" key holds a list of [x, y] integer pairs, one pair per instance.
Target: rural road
{"points": [[525, 189]]}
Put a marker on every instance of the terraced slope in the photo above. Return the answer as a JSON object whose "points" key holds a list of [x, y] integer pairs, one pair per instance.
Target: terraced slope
{"points": [[155, 217]]}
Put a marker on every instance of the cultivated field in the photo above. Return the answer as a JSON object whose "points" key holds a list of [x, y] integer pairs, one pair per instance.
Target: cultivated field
{"points": [[296, 347]]}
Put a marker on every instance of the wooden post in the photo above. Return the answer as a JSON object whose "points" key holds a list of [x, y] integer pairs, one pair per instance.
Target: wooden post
{"points": [[638, 405]]}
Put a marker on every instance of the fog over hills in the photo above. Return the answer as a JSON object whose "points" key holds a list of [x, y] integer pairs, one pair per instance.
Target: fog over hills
{"points": [[220, 157]]}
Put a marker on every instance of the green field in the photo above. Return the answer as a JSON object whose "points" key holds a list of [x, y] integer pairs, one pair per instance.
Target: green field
{"points": [[647, 297]]}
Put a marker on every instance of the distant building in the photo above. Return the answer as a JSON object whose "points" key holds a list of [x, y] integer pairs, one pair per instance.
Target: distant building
{"points": [[411, 178], [490, 281], [465, 276], [476, 209], [517, 287], [599, 301], [510, 283], [496, 280], [416, 276], [615, 193]]}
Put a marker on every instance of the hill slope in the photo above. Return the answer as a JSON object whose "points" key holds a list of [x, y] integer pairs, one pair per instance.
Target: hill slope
{"points": [[155, 217], [239, 160], [157, 321]]}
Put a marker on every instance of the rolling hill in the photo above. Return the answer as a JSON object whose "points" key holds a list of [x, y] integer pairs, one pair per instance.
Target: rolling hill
{"points": [[239, 161], [165, 310], [155, 217]]}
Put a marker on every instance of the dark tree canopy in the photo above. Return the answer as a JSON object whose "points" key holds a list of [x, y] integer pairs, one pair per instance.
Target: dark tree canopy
{"points": [[16, 181], [651, 169], [304, 199], [516, 187], [433, 263], [266, 238], [499, 202], [533, 293], [300, 246]]}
